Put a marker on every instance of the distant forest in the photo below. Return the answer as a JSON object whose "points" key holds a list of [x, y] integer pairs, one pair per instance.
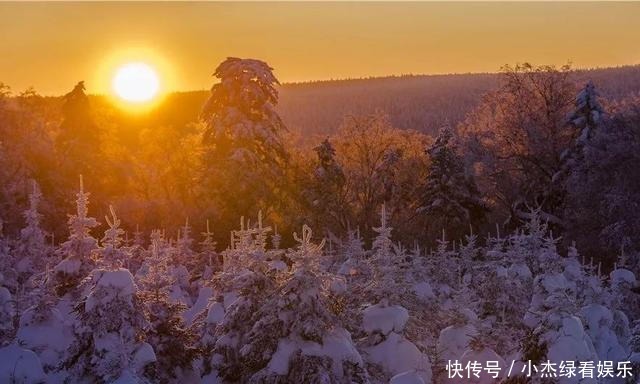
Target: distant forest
{"points": [[421, 102]]}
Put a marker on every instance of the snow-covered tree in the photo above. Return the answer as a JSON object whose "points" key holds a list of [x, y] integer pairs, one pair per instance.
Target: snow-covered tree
{"points": [[172, 341], [113, 254], [109, 336], [451, 200], [602, 182], [588, 112], [76, 251], [324, 192], [244, 135], [387, 347], [43, 329], [32, 250], [209, 253]]}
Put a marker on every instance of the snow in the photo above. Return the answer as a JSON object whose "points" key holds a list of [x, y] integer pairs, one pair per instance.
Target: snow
{"points": [[570, 343], [200, 305], [120, 281], [279, 363], [409, 377], [144, 355], [622, 275], [338, 286], [336, 344], [520, 271], [453, 341], [229, 298], [423, 291], [599, 327], [347, 269], [18, 365], [127, 378], [70, 266], [384, 318], [49, 338], [396, 355], [215, 314], [278, 265]]}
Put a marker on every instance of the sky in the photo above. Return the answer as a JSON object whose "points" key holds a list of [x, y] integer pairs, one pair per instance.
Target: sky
{"points": [[51, 46]]}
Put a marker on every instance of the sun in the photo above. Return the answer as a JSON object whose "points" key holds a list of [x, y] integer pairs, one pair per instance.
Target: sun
{"points": [[136, 82]]}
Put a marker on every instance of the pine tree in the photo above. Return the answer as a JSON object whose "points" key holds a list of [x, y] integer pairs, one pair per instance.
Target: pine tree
{"points": [[451, 199]]}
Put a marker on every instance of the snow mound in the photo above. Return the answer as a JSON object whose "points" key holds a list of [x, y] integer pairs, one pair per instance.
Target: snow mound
{"points": [[117, 283], [384, 318], [19, 365], [621, 275], [49, 337], [120, 278], [397, 355]]}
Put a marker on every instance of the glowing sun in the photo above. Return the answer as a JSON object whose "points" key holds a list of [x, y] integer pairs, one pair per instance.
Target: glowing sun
{"points": [[136, 82]]}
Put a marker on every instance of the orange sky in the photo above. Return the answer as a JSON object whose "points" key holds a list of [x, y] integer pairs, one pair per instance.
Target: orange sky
{"points": [[53, 45]]}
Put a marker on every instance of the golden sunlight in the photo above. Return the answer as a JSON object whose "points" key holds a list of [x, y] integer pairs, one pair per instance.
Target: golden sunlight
{"points": [[136, 82]]}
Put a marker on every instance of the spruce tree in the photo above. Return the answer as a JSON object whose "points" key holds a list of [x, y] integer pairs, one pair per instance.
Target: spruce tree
{"points": [[173, 342], [77, 250], [451, 199], [78, 141]]}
